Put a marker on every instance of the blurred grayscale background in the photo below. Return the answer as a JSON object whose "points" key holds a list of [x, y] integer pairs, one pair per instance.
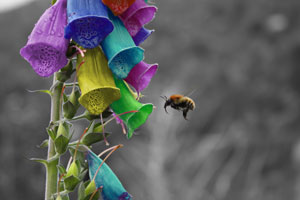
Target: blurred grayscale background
{"points": [[241, 143]]}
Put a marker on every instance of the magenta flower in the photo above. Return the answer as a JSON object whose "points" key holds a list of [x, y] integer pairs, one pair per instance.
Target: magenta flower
{"points": [[137, 15], [140, 75], [46, 47]]}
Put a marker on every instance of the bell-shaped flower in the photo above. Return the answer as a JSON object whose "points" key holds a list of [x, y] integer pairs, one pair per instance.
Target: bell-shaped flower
{"points": [[137, 15], [120, 50], [127, 103], [118, 6], [46, 46], [98, 89], [112, 188], [141, 75], [88, 23], [141, 36]]}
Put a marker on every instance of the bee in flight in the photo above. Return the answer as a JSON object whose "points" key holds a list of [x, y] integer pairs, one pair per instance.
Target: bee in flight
{"points": [[179, 102]]}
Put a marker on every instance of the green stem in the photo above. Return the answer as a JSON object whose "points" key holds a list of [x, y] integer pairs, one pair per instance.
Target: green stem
{"points": [[52, 172]]}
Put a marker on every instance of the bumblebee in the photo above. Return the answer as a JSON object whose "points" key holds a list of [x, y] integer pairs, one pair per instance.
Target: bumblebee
{"points": [[179, 102]]}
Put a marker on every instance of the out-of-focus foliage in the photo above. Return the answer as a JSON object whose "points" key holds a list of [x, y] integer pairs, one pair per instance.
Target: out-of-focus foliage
{"points": [[241, 142]]}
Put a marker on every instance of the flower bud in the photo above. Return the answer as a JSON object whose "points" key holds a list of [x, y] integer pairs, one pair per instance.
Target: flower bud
{"points": [[73, 170], [58, 197], [90, 188], [73, 98], [62, 130]]}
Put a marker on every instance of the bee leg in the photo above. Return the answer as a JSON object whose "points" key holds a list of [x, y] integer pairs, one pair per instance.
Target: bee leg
{"points": [[165, 106], [185, 111], [166, 110]]}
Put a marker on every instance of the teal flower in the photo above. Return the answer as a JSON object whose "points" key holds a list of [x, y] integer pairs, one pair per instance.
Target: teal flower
{"points": [[106, 178]]}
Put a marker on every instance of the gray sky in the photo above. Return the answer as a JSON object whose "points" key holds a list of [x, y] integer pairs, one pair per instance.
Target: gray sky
{"points": [[6, 5]]}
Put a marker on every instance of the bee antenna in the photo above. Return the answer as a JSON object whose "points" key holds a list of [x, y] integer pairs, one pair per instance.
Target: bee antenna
{"points": [[164, 98]]}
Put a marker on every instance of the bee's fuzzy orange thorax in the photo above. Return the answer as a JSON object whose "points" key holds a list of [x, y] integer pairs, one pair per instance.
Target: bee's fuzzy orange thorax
{"points": [[176, 96]]}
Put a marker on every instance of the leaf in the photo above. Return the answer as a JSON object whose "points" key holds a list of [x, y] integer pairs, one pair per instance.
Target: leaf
{"points": [[69, 110], [90, 188], [79, 157], [90, 117], [44, 144], [61, 144], [65, 197], [62, 130], [91, 127], [73, 170], [68, 67], [73, 98], [71, 182], [62, 188], [62, 193], [51, 133], [83, 173], [42, 91], [65, 97], [81, 190], [63, 76], [39, 160], [95, 197], [61, 169], [67, 126], [98, 128], [93, 138]]}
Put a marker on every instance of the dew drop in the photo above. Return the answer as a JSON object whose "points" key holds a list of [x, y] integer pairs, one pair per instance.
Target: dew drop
{"points": [[39, 31], [52, 32]]}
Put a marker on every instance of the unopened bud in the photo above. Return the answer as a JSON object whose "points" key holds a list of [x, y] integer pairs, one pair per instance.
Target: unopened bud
{"points": [[73, 170]]}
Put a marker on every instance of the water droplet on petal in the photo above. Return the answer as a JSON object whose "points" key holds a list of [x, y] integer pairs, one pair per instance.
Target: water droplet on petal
{"points": [[39, 31], [52, 32]]}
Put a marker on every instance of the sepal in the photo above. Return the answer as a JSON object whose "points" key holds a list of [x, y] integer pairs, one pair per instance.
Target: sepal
{"points": [[61, 144], [44, 144]]}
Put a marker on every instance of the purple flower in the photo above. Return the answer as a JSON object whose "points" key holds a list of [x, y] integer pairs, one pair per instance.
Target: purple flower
{"points": [[46, 47], [140, 75], [141, 36]]}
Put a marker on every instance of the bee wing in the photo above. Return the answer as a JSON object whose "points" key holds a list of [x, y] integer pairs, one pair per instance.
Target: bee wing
{"points": [[191, 92]]}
